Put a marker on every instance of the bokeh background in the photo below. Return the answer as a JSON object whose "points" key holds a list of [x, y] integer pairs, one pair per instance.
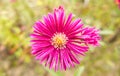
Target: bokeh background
{"points": [[18, 16]]}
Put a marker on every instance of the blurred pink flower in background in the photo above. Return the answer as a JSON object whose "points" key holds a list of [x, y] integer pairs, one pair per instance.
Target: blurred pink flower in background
{"points": [[118, 3], [58, 40], [12, 1]]}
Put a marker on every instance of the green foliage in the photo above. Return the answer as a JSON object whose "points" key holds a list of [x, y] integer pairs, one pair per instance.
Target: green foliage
{"points": [[79, 71], [53, 73]]}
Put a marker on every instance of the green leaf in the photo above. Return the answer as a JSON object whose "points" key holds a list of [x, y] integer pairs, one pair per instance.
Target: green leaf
{"points": [[79, 71], [106, 32], [53, 73]]}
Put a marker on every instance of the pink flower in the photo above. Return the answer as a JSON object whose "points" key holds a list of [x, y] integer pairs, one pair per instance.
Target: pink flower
{"points": [[59, 40], [118, 3], [12, 1]]}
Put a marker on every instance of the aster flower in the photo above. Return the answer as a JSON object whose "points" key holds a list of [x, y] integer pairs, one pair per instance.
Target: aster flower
{"points": [[59, 40]]}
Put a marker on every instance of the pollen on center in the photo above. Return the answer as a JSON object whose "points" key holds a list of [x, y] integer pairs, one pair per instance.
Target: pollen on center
{"points": [[59, 40]]}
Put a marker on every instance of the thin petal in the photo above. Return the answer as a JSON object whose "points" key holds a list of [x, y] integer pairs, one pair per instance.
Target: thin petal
{"points": [[61, 60], [75, 50], [40, 28], [52, 63], [73, 58], [49, 59], [68, 22], [48, 23], [78, 47], [73, 25], [66, 59], [61, 21], [45, 52], [52, 21]]}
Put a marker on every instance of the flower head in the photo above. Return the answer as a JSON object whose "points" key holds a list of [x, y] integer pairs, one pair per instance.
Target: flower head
{"points": [[58, 40]]}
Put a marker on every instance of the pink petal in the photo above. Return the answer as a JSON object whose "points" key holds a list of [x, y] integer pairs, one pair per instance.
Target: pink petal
{"points": [[38, 36], [40, 27], [56, 60], [51, 18], [68, 57], [48, 23], [61, 60], [61, 21], [37, 46], [66, 60], [52, 63], [73, 25], [49, 59], [73, 58], [67, 24], [44, 52], [75, 31], [78, 48]]}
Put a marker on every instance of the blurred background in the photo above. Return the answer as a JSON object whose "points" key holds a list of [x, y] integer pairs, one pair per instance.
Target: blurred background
{"points": [[18, 16]]}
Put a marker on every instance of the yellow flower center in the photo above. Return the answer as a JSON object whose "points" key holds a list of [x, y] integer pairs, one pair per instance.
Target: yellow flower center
{"points": [[59, 40]]}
